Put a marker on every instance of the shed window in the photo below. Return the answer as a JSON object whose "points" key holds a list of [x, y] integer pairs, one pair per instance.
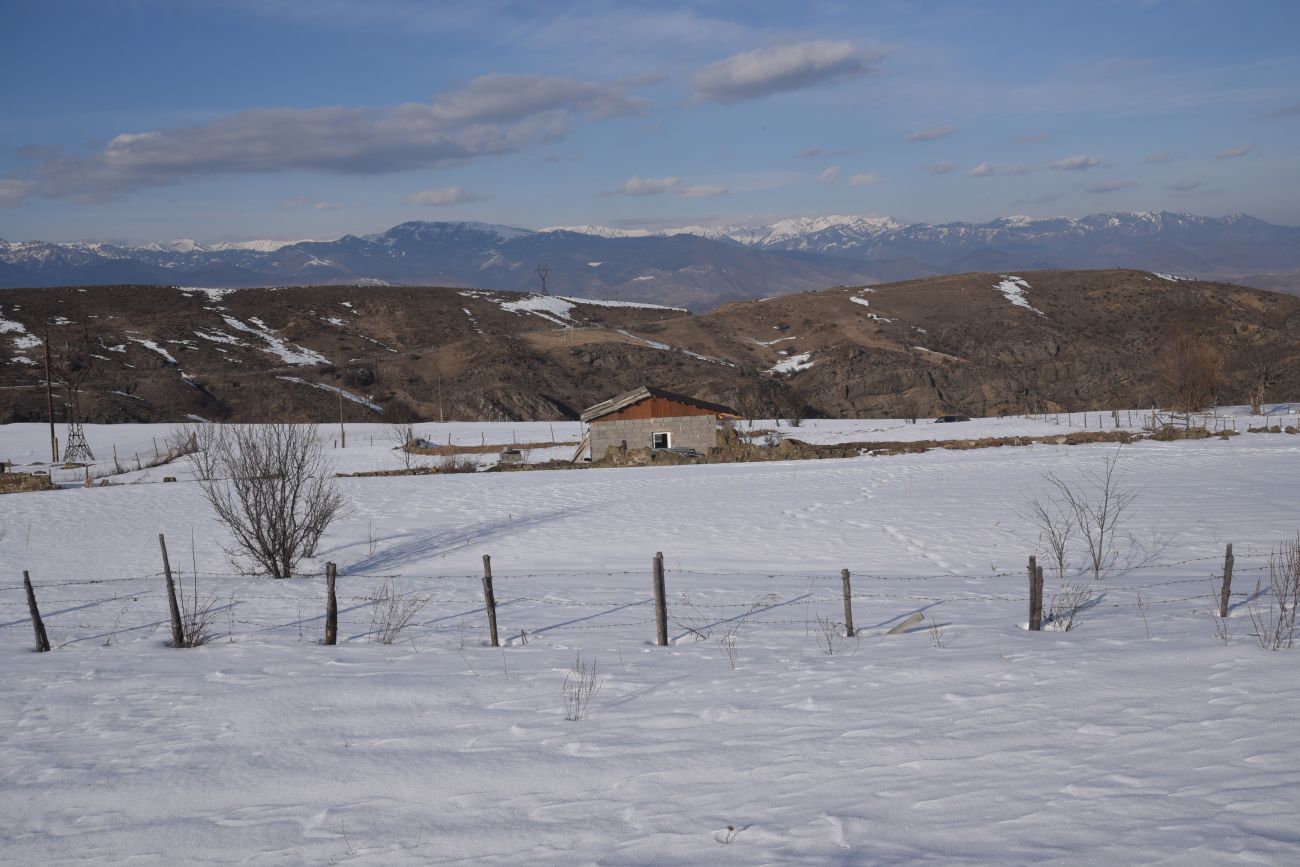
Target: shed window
{"points": [[660, 440]]}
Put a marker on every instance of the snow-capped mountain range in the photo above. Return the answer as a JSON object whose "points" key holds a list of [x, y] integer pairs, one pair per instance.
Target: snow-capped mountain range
{"points": [[696, 266]]}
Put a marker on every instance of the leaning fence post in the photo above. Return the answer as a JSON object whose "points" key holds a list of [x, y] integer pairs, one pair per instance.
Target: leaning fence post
{"points": [[178, 634], [38, 625], [1227, 581], [490, 600], [331, 605], [848, 604], [661, 604]]}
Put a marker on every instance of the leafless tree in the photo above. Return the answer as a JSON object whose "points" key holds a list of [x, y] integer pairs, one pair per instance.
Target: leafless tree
{"points": [[1260, 367], [1190, 371], [403, 434], [1097, 504], [271, 486], [1056, 523]]}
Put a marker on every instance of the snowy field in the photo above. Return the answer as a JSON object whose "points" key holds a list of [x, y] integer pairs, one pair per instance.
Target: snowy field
{"points": [[1138, 737]]}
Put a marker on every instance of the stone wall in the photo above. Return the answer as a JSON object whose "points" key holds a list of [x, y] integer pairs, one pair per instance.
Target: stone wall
{"points": [[699, 432], [14, 483]]}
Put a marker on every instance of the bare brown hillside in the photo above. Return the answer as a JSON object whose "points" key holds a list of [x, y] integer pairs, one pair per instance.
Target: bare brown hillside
{"points": [[974, 343]]}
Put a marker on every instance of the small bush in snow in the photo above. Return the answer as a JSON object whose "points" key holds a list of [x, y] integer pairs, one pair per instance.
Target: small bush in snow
{"points": [[580, 685], [392, 610], [1274, 621]]}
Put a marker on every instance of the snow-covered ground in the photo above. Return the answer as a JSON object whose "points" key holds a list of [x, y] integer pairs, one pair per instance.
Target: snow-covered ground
{"points": [[1137, 737]]}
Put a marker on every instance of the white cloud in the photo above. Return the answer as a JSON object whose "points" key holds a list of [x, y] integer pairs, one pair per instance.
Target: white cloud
{"points": [[1076, 163], [327, 206], [780, 68], [1110, 186], [14, 191], [863, 179], [983, 170], [638, 186], [943, 168], [705, 191], [491, 115], [442, 196], [830, 175], [932, 133], [807, 153], [1233, 153]]}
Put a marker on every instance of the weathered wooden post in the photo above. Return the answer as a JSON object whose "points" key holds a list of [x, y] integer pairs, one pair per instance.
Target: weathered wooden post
{"points": [[848, 604], [178, 633], [1038, 599], [661, 604], [1035, 601], [38, 625], [331, 605], [1227, 581], [489, 599]]}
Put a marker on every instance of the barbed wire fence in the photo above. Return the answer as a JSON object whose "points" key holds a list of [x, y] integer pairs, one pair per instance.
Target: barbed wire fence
{"points": [[468, 607]]}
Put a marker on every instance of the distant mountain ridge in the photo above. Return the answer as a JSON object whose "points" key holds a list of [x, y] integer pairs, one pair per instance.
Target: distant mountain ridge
{"points": [[691, 266]]}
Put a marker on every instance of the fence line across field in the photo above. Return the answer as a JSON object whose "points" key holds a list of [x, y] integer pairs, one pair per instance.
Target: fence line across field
{"points": [[412, 593]]}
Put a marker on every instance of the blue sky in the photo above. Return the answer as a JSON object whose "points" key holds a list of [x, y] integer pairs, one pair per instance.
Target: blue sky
{"points": [[141, 120]]}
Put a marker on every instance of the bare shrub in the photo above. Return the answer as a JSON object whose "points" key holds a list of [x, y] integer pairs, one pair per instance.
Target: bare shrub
{"points": [[937, 634], [1097, 505], [580, 685], [271, 486], [829, 634], [197, 442], [1190, 372], [392, 610], [403, 434], [1274, 621], [1067, 603], [1056, 523], [455, 464], [727, 643]]}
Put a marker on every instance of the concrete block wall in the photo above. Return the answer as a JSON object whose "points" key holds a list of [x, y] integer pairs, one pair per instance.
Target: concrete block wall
{"points": [[699, 432]]}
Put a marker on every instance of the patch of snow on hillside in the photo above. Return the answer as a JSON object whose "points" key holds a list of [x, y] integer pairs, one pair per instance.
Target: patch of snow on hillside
{"points": [[594, 264], [655, 344], [23, 359], [296, 355], [600, 302], [1013, 288], [793, 364], [219, 337], [21, 339], [149, 344], [213, 293], [934, 352], [549, 307], [347, 395], [642, 277], [1173, 278], [865, 303], [333, 320]]}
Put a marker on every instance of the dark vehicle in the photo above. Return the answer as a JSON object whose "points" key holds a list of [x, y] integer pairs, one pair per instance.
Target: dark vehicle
{"points": [[950, 418]]}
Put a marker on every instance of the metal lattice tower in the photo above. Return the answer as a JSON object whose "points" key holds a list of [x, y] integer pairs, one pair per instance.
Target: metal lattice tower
{"points": [[75, 446]]}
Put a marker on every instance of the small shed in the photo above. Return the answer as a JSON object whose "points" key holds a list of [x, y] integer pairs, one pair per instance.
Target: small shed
{"points": [[655, 419]]}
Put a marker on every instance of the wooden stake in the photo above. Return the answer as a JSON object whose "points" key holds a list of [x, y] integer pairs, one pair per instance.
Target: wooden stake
{"points": [[1227, 581], [848, 604], [1035, 601], [38, 625], [343, 434], [490, 599], [178, 634], [661, 604], [331, 605], [1038, 599]]}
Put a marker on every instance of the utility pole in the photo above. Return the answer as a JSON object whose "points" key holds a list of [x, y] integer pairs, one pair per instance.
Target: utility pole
{"points": [[543, 271], [49, 400], [343, 434]]}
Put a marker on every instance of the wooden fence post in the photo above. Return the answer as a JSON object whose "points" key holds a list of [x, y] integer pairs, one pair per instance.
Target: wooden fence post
{"points": [[178, 633], [489, 599], [38, 625], [331, 605], [848, 604], [661, 604], [1035, 597], [1227, 581]]}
